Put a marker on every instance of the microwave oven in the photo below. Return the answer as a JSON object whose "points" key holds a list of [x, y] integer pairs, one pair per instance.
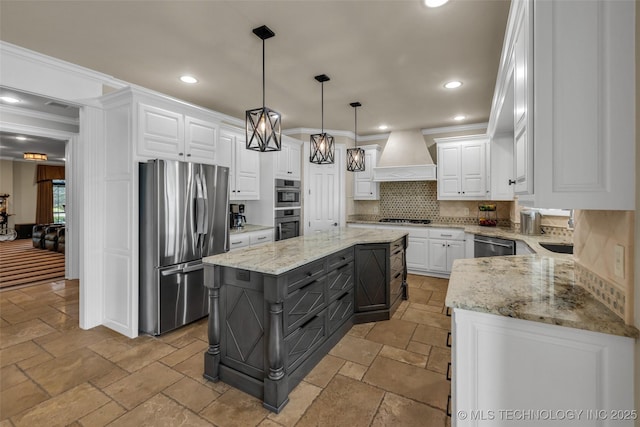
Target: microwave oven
{"points": [[287, 193]]}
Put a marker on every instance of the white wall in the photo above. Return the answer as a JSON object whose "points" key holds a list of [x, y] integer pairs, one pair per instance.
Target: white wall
{"points": [[6, 185], [25, 192]]}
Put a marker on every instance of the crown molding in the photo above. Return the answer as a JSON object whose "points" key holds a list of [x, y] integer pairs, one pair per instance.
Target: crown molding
{"points": [[35, 131], [455, 128], [59, 64], [8, 109]]}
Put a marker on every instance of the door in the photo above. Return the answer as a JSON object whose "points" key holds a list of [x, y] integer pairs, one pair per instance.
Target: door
{"points": [[455, 250], [247, 171], [183, 296], [200, 141], [324, 194], [214, 210], [417, 250], [472, 159], [175, 198]]}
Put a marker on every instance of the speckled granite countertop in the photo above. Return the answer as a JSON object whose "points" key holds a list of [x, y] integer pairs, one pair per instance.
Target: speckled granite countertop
{"points": [[247, 228], [530, 287], [505, 233], [285, 255]]}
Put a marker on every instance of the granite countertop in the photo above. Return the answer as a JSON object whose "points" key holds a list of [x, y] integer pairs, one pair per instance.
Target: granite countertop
{"points": [[531, 287], [505, 233], [248, 228], [285, 255]]}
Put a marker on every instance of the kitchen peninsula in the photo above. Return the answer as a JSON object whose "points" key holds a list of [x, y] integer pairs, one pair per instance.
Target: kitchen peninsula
{"points": [[278, 308], [528, 336]]}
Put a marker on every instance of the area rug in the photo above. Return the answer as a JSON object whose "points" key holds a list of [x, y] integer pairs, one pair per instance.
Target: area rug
{"points": [[22, 264]]}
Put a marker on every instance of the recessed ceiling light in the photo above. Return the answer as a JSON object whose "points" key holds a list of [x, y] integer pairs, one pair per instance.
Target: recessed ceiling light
{"points": [[383, 127], [188, 79], [9, 99], [453, 84], [434, 3], [459, 117], [21, 138]]}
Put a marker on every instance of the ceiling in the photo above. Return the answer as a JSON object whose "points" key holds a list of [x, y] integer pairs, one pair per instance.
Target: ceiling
{"points": [[13, 148], [393, 56]]}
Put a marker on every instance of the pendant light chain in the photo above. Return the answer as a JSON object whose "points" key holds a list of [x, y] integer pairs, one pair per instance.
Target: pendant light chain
{"points": [[263, 75]]}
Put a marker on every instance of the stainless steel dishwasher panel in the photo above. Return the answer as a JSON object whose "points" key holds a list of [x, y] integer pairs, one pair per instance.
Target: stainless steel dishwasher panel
{"points": [[493, 246]]}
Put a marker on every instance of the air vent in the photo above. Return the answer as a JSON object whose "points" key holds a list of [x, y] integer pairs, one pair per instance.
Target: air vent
{"points": [[56, 104]]}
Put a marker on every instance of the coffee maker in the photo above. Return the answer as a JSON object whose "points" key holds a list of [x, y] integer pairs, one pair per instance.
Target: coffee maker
{"points": [[236, 216]]}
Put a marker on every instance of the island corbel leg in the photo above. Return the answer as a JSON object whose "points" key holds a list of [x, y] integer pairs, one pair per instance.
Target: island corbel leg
{"points": [[276, 387], [212, 355]]}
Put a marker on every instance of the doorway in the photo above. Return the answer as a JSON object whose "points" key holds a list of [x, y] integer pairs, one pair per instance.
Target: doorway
{"points": [[324, 194]]}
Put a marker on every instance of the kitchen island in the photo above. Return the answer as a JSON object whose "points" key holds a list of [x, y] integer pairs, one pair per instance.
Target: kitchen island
{"points": [[527, 338], [278, 308]]}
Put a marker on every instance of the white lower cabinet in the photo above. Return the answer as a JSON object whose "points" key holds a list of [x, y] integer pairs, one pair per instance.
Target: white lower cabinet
{"points": [[506, 369], [442, 253], [417, 253], [250, 238]]}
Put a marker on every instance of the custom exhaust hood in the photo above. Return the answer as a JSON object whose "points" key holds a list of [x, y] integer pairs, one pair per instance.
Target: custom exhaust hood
{"points": [[405, 158]]}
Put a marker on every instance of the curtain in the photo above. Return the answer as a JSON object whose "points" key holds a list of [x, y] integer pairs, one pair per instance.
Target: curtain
{"points": [[44, 205]]}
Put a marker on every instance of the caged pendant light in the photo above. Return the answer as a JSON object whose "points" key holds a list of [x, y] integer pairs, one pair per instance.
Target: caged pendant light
{"points": [[263, 124], [322, 150], [355, 156]]}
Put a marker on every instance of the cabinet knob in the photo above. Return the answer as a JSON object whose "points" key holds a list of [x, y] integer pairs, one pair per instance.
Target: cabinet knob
{"points": [[189, 155], [463, 192], [512, 181], [443, 245], [458, 192], [180, 154]]}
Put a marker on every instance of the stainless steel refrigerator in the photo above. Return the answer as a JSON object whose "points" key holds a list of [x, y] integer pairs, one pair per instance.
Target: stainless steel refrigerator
{"points": [[183, 217]]}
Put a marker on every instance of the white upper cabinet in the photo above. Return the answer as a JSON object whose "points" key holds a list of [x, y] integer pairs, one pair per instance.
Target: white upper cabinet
{"points": [[288, 160], [243, 164], [571, 68], [168, 132], [364, 187], [462, 172]]}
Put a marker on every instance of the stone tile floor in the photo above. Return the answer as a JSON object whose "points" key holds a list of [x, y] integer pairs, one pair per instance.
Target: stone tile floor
{"points": [[390, 373]]}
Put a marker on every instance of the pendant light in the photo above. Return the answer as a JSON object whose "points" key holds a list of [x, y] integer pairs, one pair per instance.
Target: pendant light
{"points": [[322, 150], [355, 156], [263, 124]]}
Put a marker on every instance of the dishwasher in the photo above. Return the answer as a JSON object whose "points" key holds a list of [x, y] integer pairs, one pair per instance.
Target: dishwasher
{"points": [[492, 246]]}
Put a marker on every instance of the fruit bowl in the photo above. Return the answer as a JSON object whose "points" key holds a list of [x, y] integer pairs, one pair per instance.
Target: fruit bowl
{"points": [[485, 222]]}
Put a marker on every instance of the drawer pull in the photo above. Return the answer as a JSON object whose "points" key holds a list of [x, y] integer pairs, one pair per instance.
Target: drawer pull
{"points": [[448, 313], [446, 235], [309, 273], [448, 339], [262, 238], [307, 322], [449, 371], [449, 406], [236, 243]]}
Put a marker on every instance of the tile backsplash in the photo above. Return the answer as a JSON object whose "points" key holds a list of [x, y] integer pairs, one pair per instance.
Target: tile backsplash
{"points": [[419, 200], [595, 237]]}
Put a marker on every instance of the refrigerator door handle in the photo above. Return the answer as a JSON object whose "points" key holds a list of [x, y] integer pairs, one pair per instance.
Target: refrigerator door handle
{"points": [[201, 207], [187, 269]]}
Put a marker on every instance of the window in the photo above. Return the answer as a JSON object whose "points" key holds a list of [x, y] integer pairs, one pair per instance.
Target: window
{"points": [[59, 201]]}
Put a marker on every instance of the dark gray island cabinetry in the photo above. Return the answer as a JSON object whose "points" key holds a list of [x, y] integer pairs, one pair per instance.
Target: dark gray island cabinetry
{"points": [[277, 309]]}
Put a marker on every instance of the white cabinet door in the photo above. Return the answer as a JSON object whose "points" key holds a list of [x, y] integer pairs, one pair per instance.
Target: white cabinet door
{"points": [[437, 255], [472, 169], [237, 241], [500, 363], [247, 171], [455, 250], [200, 141], [287, 165], [449, 171], [225, 153], [501, 167], [417, 253], [522, 167], [160, 133], [520, 56], [364, 188]]}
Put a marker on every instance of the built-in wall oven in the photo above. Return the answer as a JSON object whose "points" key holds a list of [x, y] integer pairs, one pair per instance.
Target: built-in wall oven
{"points": [[287, 193], [287, 223]]}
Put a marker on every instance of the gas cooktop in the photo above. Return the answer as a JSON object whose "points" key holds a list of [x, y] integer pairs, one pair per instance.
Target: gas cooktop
{"points": [[406, 221]]}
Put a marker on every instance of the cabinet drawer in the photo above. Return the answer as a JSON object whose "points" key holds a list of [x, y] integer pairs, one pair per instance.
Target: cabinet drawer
{"points": [[339, 258], [397, 263], [238, 241], [259, 237], [446, 233], [305, 274], [395, 288], [340, 311], [397, 246], [302, 342], [303, 304], [340, 280]]}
